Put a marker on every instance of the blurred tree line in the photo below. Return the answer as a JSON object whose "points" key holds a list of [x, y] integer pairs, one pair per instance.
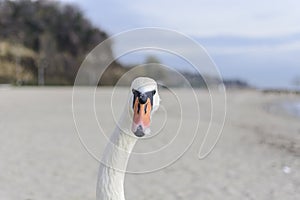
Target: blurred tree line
{"points": [[45, 38], [45, 42]]}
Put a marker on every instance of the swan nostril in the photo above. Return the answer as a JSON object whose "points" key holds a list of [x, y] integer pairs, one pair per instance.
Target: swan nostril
{"points": [[139, 131]]}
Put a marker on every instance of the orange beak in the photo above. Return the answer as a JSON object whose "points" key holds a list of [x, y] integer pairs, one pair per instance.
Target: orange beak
{"points": [[141, 117]]}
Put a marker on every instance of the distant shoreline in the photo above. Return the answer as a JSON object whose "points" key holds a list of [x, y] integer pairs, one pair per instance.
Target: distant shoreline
{"points": [[291, 108], [281, 91]]}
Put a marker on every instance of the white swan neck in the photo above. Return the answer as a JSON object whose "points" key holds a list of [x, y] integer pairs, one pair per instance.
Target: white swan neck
{"points": [[114, 163]]}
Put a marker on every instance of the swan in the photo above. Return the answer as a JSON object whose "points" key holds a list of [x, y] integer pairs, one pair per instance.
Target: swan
{"points": [[134, 123]]}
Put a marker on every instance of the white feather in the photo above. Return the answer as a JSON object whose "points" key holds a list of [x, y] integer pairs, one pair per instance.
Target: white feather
{"points": [[110, 184]]}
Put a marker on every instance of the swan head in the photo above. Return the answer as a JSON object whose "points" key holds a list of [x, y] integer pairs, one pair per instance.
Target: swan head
{"points": [[144, 102]]}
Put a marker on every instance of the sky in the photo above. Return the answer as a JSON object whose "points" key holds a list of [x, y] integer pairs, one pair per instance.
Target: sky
{"points": [[257, 41]]}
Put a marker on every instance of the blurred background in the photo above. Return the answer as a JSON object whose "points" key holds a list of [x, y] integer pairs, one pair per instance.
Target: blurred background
{"points": [[255, 45]]}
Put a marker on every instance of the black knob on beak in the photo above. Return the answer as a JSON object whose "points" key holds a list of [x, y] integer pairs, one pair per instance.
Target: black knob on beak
{"points": [[143, 98]]}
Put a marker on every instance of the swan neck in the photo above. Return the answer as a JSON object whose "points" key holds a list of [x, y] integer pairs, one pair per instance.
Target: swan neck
{"points": [[114, 163]]}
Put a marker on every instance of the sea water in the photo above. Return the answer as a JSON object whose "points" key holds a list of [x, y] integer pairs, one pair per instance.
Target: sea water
{"points": [[297, 108], [293, 108]]}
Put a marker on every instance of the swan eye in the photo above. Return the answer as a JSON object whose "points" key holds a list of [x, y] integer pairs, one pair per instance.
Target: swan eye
{"points": [[135, 95], [150, 95]]}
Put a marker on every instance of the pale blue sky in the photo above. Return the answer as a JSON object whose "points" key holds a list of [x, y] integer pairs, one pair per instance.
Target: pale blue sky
{"points": [[258, 41]]}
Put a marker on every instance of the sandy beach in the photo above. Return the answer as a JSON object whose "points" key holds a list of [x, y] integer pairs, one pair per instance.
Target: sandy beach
{"points": [[41, 156]]}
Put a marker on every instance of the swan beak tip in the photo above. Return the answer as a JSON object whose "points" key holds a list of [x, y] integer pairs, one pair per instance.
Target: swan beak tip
{"points": [[139, 131]]}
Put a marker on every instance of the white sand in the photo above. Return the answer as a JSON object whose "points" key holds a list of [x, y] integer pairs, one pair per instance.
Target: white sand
{"points": [[41, 157]]}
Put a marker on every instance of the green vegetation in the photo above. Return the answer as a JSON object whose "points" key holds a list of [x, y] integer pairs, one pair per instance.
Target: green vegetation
{"points": [[47, 35], [45, 42], [16, 63]]}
